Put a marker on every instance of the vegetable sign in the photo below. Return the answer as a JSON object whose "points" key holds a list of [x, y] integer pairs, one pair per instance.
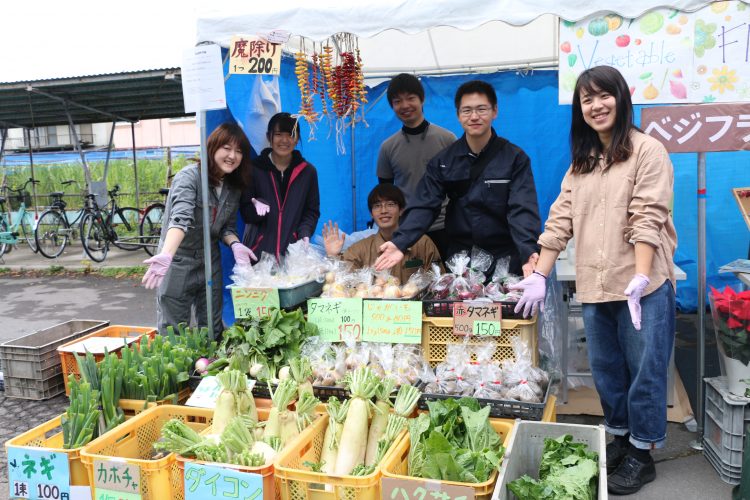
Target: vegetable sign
{"points": [[207, 392], [254, 302], [116, 480], [477, 318], [251, 55], [397, 321], [666, 56], [207, 481], [414, 489], [336, 319], [38, 473]]}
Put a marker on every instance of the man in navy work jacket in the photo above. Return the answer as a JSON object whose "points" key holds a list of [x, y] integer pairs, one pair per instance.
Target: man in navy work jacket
{"points": [[490, 187]]}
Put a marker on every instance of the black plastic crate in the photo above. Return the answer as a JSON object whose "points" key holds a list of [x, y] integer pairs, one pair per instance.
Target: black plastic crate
{"points": [[444, 308], [498, 408]]}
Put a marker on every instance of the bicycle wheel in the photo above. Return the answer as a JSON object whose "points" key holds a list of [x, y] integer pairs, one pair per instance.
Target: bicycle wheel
{"points": [[50, 234], [150, 229], [94, 238], [125, 224], [3, 229], [27, 228]]}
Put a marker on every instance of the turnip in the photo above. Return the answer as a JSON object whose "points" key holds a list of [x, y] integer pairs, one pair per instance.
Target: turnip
{"points": [[362, 385], [379, 420], [201, 366], [284, 373], [301, 372]]}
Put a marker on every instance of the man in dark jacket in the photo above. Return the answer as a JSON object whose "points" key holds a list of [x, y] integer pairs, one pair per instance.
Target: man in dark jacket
{"points": [[490, 187], [282, 205]]}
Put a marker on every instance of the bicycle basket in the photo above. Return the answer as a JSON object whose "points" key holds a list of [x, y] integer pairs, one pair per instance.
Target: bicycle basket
{"points": [[16, 199]]}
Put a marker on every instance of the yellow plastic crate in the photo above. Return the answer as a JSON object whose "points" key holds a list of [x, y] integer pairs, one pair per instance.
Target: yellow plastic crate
{"points": [[132, 407], [50, 437], [437, 334], [396, 464], [297, 482], [133, 443], [68, 360]]}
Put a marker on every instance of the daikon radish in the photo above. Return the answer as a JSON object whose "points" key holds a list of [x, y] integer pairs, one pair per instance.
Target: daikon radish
{"points": [[285, 391], [379, 420], [331, 440], [362, 385]]}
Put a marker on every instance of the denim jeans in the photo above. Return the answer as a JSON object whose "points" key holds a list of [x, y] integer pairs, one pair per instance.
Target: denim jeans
{"points": [[630, 366]]}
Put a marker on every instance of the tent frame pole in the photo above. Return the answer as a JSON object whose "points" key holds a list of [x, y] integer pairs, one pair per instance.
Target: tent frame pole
{"points": [[135, 165], [701, 351], [206, 226]]}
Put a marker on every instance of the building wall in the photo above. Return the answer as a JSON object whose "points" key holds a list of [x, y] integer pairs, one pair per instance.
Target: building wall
{"points": [[158, 133]]}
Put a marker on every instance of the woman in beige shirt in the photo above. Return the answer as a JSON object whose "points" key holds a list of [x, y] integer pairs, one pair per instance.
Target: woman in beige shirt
{"points": [[614, 199]]}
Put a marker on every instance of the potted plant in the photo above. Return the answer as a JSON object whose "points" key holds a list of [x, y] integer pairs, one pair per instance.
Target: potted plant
{"points": [[731, 315]]}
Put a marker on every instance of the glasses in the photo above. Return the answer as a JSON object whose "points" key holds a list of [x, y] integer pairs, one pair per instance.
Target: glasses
{"points": [[479, 110], [390, 205]]}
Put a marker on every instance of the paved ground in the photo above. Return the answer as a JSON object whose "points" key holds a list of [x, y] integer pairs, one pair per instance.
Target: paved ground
{"points": [[32, 302]]}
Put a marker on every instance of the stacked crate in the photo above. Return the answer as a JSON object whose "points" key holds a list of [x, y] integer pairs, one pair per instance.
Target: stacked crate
{"points": [[725, 418]]}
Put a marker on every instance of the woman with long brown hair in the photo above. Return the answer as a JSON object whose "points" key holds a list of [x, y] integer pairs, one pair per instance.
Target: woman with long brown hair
{"points": [[615, 201], [177, 271]]}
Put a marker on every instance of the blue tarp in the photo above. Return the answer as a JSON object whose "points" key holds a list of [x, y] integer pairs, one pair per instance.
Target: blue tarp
{"points": [[21, 160], [530, 116]]}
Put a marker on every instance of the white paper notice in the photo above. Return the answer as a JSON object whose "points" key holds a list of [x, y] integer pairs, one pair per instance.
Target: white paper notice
{"points": [[98, 345], [203, 79], [207, 392]]}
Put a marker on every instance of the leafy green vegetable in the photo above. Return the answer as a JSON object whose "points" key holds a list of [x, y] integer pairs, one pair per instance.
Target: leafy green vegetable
{"points": [[568, 471], [455, 442]]}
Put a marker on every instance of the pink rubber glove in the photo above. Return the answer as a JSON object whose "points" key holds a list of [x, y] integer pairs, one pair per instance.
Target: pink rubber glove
{"points": [[306, 242], [242, 254], [261, 208], [634, 291], [534, 289], [157, 269]]}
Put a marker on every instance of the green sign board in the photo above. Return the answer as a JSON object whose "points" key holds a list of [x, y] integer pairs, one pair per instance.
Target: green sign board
{"points": [[253, 302], [395, 321], [336, 319]]}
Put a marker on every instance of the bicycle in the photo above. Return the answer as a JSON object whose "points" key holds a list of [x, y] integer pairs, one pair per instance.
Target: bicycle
{"points": [[102, 227], [54, 230], [150, 227], [8, 229]]}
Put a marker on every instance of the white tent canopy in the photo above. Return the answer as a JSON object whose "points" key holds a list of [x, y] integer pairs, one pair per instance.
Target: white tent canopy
{"points": [[424, 36]]}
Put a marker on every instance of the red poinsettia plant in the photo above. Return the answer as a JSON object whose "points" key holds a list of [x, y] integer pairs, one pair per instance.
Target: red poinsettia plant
{"points": [[731, 314]]}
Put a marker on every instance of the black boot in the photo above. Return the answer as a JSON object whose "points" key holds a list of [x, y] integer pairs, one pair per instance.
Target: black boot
{"points": [[616, 451], [635, 470]]}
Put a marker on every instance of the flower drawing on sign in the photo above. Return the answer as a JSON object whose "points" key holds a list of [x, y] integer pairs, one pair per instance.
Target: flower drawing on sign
{"points": [[704, 38], [723, 79]]}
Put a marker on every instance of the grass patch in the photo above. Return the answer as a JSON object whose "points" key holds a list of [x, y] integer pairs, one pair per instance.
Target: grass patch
{"points": [[122, 272], [4, 270]]}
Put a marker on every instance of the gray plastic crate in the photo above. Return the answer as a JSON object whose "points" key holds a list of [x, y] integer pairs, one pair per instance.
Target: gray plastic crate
{"points": [[35, 356], [727, 473], [726, 416], [24, 388], [294, 296], [524, 452]]}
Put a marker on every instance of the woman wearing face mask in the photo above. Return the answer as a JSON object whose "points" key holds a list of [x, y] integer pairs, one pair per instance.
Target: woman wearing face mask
{"points": [[177, 271], [615, 201], [283, 204]]}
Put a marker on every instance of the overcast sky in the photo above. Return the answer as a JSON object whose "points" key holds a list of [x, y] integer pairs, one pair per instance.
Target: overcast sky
{"points": [[54, 39]]}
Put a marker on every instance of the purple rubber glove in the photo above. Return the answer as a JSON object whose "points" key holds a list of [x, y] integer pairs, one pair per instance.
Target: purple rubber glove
{"points": [[534, 289], [634, 291], [242, 254], [157, 269], [261, 207]]}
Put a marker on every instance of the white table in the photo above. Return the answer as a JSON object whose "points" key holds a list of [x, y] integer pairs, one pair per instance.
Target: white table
{"points": [[566, 275]]}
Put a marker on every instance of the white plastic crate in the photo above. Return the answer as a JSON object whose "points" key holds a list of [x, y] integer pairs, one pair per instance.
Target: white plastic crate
{"points": [[726, 416], [524, 452], [727, 473]]}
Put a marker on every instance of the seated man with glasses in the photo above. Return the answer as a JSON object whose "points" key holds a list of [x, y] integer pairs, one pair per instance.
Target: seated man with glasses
{"points": [[490, 187], [386, 203]]}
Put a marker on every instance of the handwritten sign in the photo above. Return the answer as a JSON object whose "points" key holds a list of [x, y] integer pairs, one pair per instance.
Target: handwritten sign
{"points": [[38, 473], [336, 319], [396, 321], [665, 55], [116, 479], [253, 302], [477, 318], [207, 481], [207, 392], [412, 489], [252, 55]]}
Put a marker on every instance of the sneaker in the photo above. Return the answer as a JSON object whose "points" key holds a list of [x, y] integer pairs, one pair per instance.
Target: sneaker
{"points": [[630, 476], [616, 451]]}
